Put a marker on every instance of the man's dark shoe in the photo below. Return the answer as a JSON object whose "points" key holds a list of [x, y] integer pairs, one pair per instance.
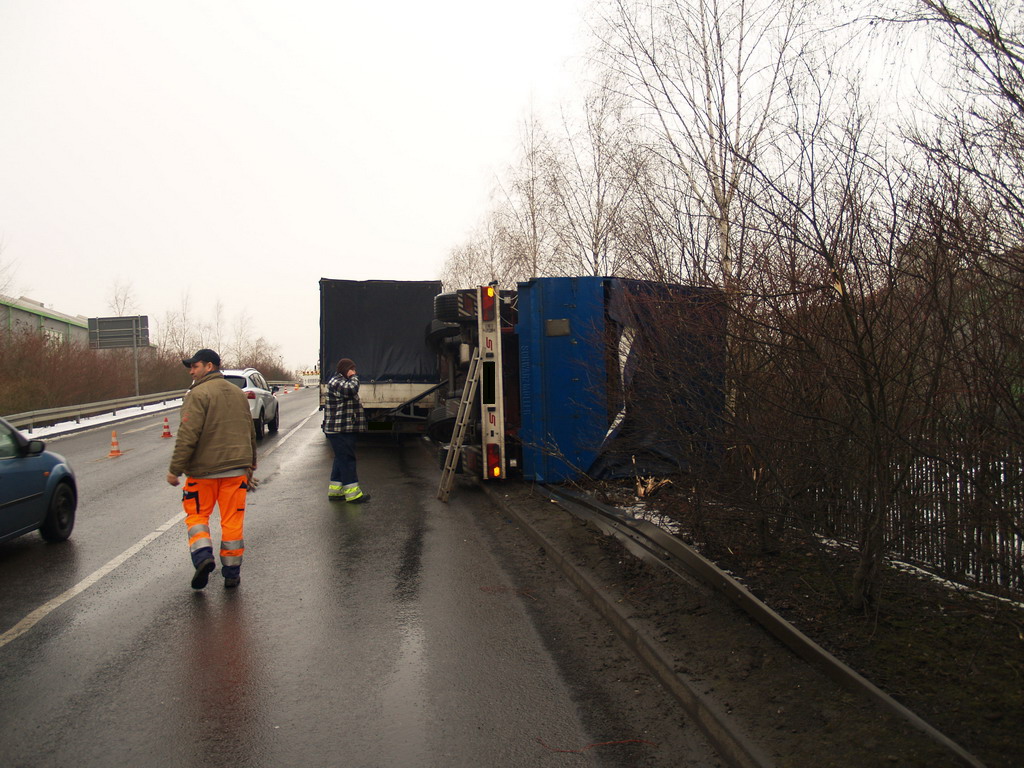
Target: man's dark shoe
{"points": [[202, 574], [360, 499], [232, 581]]}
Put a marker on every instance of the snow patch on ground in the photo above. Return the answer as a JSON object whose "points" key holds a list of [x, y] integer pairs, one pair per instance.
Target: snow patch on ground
{"points": [[99, 420], [641, 511]]}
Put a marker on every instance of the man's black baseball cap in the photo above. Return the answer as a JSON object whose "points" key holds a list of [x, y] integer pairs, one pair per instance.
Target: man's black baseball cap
{"points": [[203, 356]]}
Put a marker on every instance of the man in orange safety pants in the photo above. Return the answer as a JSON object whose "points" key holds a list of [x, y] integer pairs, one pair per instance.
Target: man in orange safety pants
{"points": [[216, 450]]}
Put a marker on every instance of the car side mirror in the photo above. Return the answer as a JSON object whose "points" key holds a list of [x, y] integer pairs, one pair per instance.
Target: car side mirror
{"points": [[274, 389], [35, 447]]}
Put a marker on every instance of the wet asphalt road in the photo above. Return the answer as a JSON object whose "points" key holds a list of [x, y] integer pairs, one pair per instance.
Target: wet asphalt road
{"points": [[375, 635]]}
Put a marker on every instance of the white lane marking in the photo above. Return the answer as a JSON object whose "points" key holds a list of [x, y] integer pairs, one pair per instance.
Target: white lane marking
{"points": [[44, 610], [293, 430]]}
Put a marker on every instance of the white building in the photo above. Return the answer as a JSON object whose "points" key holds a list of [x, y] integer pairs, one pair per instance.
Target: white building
{"points": [[23, 312]]}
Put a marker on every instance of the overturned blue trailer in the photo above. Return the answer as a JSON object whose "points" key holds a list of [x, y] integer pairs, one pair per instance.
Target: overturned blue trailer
{"points": [[597, 376]]}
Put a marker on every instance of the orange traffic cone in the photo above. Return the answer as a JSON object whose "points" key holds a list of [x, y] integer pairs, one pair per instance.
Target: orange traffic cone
{"points": [[296, 386], [115, 449], [167, 429]]}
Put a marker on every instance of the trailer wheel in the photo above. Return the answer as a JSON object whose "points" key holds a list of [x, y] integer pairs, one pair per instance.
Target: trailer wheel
{"points": [[446, 307], [440, 424], [438, 331]]}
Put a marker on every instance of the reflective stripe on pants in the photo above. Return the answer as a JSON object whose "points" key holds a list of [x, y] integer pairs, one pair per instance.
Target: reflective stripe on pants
{"points": [[228, 494]]}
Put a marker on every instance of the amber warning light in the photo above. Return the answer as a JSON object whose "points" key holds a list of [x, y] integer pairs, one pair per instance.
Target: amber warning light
{"points": [[493, 460]]}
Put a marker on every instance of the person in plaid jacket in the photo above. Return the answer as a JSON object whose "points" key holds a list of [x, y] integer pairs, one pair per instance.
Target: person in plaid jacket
{"points": [[344, 418]]}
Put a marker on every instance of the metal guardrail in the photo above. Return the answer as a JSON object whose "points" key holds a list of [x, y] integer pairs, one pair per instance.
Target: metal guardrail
{"points": [[41, 418], [651, 543]]}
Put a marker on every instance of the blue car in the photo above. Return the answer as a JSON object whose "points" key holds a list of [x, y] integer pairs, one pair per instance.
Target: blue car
{"points": [[37, 488]]}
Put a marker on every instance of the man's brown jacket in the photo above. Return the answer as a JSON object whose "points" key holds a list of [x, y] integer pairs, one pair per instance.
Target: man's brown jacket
{"points": [[216, 433]]}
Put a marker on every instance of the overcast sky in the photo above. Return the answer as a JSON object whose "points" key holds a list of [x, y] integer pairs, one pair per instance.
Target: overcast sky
{"points": [[240, 150]]}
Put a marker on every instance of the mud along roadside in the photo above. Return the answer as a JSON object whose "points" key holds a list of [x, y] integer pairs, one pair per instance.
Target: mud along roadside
{"points": [[788, 712]]}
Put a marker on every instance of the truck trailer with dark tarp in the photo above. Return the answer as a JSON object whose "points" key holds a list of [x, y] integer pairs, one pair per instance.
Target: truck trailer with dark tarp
{"points": [[384, 326]]}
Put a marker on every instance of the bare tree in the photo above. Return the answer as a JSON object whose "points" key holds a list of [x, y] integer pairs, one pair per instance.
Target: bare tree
{"points": [[8, 270], [847, 326], [256, 353], [182, 332], [977, 112], [122, 299], [660, 235], [241, 345], [168, 334], [217, 327], [525, 214], [561, 206], [482, 259], [710, 75], [591, 178]]}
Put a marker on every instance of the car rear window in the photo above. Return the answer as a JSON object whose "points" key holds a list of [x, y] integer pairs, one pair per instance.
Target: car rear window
{"points": [[238, 381]]}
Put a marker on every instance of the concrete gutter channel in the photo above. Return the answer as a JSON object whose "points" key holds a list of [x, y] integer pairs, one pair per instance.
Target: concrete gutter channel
{"points": [[654, 545]]}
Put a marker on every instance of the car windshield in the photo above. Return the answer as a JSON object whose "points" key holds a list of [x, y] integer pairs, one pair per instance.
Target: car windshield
{"points": [[238, 381]]}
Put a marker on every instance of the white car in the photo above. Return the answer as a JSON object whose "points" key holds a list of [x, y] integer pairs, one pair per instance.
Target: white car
{"points": [[263, 403]]}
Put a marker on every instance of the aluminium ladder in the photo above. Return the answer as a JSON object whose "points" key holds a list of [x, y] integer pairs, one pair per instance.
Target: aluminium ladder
{"points": [[451, 460]]}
